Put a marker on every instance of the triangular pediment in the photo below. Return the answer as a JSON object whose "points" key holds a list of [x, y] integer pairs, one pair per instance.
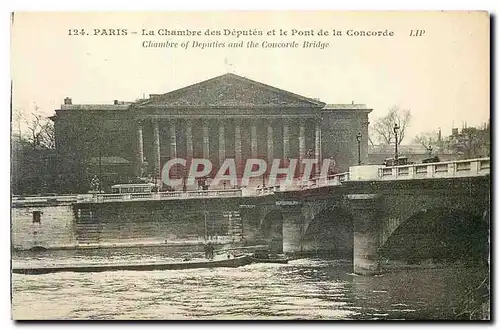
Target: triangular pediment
{"points": [[229, 90]]}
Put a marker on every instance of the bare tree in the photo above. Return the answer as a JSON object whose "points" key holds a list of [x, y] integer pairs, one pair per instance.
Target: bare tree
{"points": [[17, 117], [40, 131], [35, 130], [33, 161], [427, 139], [383, 129], [48, 139]]}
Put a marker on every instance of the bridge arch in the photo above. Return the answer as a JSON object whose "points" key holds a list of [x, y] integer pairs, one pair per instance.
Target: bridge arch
{"points": [[330, 230], [272, 230], [437, 234], [404, 206]]}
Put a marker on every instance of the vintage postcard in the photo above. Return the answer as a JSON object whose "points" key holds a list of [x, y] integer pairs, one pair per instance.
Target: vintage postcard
{"points": [[312, 165]]}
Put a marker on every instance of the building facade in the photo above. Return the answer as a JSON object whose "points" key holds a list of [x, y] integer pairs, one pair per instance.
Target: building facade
{"points": [[228, 116]]}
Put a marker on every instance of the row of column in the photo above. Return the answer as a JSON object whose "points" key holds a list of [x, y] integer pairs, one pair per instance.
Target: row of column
{"points": [[222, 142]]}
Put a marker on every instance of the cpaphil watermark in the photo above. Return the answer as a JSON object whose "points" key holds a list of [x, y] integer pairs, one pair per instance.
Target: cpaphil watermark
{"points": [[177, 172]]}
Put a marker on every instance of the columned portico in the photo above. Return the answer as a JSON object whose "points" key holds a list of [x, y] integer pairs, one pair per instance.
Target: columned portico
{"points": [[253, 140], [222, 143], [302, 144], [206, 141], [140, 149], [286, 140], [270, 144], [294, 145], [173, 140], [189, 140], [237, 144], [317, 148], [302, 140], [156, 148]]}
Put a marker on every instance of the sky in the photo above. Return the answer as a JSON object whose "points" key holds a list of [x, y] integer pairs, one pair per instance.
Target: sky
{"points": [[442, 77]]}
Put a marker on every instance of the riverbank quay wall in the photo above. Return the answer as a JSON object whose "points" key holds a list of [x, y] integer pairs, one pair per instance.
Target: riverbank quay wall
{"points": [[53, 223], [43, 222]]}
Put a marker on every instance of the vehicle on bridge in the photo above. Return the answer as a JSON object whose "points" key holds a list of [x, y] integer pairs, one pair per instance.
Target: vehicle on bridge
{"points": [[397, 162], [401, 161], [133, 188], [434, 159]]}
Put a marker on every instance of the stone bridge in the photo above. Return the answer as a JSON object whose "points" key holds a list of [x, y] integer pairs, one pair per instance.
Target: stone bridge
{"points": [[370, 212], [364, 214]]}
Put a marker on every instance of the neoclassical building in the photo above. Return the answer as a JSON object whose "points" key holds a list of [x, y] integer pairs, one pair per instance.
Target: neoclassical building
{"points": [[228, 116]]}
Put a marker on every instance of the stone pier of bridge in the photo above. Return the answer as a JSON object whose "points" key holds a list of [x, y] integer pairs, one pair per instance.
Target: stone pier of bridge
{"points": [[371, 218], [358, 216]]}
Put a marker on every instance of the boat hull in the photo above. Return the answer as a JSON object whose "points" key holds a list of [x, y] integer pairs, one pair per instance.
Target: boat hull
{"points": [[269, 261], [231, 263]]}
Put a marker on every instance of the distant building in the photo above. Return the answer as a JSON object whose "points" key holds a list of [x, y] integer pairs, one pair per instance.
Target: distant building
{"points": [[224, 117], [470, 142]]}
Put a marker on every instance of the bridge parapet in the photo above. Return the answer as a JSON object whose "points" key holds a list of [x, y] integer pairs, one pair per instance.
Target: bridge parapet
{"points": [[457, 168], [322, 181], [331, 180], [21, 201], [170, 195], [450, 169]]}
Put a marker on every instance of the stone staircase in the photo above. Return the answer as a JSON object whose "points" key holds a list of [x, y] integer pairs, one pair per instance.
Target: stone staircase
{"points": [[235, 225], [88, 227]]}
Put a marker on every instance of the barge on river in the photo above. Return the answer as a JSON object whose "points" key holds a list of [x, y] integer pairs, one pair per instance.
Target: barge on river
{"points": [[233, 262]]}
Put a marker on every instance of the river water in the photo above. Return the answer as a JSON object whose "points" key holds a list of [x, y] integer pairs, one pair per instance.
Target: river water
{"points": [[308, 288]]}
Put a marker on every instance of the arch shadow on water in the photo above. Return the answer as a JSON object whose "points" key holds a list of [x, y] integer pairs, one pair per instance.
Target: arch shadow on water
{"points": [[272, 230], [440, 235], [330, 234]]}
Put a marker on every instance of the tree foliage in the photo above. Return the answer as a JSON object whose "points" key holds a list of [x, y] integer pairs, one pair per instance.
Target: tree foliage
{"points": [[33, 153], [472, 142], [382, 130]]}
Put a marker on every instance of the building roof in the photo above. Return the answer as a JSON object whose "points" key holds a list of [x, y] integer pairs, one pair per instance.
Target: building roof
{"points": [[348, 106], [229, 90], [225, 91], [124, 106]]}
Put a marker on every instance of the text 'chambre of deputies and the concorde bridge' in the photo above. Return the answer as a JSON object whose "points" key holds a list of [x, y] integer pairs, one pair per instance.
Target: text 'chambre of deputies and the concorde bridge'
{"points": [[240, 38]]}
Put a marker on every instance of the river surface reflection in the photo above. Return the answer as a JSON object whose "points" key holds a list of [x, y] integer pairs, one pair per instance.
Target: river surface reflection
{"points": [[310, 288]]}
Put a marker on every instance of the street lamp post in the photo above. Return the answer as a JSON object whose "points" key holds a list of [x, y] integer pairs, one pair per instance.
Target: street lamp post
{"points": [[155, 179], [100, 169], [358, 138], [396, 129]]}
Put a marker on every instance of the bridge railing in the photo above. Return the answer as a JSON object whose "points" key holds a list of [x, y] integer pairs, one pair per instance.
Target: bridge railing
{"points": [[101, 198], [457, 168], [331, 180], [22, 200]]}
